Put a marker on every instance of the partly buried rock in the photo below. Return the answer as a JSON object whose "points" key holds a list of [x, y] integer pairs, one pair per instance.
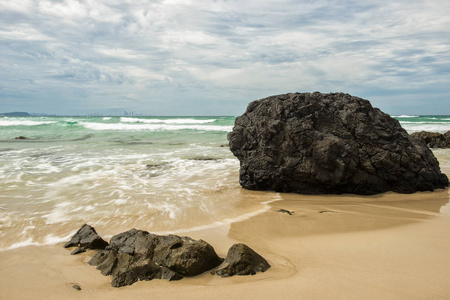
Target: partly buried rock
{"points": [[86, 238], [138, 255], [282, 210], [126, 269], [314, 143], [242, 260], [186, 256], [433, 139]]}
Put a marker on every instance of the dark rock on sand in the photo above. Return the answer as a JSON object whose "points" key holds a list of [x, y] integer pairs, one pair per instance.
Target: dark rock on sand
{"points": [[184, 255], [78, 250], [86, 238], [242, 260], [314, 143], [77, 287], [433, 139], [126, 269], [21, 138], [138, 255], [286, 211]]}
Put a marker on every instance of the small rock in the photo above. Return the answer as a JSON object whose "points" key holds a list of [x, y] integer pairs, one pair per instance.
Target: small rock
{"points": [[152, 166], [185, 255], [21, 138], [433, 139], [78, 250], [86, 238], [286, 211], [201, 158], [242, 260], [77, 287]]}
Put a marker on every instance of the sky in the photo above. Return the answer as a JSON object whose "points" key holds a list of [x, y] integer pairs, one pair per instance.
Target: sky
{"points": [[214, 57]]}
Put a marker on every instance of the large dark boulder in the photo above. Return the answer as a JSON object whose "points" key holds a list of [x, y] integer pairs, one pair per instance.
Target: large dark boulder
{"points": [[86, 238], [433, 139], [242, 260], [314, 143], [139, 255]]}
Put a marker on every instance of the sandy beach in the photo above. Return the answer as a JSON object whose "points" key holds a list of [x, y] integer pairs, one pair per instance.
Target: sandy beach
{"points": [[387, 246]]}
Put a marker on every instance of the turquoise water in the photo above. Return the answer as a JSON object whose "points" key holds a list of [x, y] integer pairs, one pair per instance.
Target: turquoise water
{"points": [[426, 123], [162, 174]]}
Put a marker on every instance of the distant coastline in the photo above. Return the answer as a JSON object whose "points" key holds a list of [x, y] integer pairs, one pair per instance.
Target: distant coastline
{"points": [[15, 114]]}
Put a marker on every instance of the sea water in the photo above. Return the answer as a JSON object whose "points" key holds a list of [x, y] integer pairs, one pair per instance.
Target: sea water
{"points": [[161, 174]]}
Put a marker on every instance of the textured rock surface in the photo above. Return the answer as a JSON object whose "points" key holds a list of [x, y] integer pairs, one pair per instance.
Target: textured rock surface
{"points": [[126, 269], [242, 260], [138, 255], [433, 139], [314, 143], [186, 256], [86, 238]]}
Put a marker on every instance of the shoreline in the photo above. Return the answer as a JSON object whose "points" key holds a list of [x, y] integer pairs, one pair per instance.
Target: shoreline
{"points": [[390, 246]]}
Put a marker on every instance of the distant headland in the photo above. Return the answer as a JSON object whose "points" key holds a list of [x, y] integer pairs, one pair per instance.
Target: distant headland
{"points": [[15, 114]]}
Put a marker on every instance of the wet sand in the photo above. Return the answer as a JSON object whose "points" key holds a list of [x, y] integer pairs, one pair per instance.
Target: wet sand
{"points": [[388, 246]]}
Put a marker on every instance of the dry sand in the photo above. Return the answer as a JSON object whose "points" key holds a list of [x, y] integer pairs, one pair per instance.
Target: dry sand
{"points": [[388, 246]]}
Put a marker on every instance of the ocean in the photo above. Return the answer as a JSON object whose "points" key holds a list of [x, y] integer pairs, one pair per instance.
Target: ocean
{"points": [[160, 174]]}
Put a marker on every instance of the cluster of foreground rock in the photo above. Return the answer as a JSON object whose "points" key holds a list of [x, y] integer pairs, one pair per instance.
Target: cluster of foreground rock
{"points": [[433, 139], [314, 143], [139, 255]]}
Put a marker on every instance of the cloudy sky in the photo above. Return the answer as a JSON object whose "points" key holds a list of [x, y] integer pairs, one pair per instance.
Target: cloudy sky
{"points": [[183, 57]]}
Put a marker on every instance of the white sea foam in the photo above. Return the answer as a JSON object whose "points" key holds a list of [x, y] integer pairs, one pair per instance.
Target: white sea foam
{"points": [[405, 116], [48, 240], [107, 118], [228, 221], [59, 213], [165, 121], [27, 242], [153, 127], [426, 126], [53, 240], [43, 168], [421, 122], [4, 122]]}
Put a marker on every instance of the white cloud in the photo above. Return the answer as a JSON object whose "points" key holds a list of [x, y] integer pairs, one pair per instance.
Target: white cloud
{"points": [[23, 33], [127, 54]]}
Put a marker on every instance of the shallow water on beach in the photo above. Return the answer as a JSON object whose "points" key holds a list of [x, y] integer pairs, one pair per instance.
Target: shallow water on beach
{"points": [[161, 174]]}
